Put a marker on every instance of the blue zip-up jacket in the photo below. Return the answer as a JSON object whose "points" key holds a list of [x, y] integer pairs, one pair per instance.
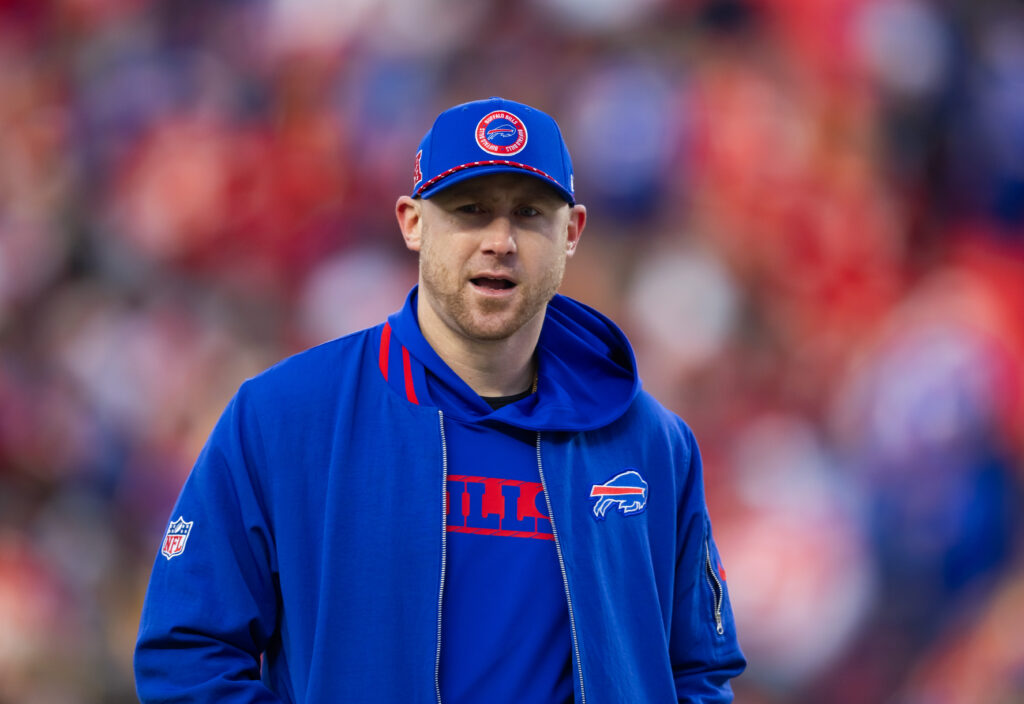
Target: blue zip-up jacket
{"points": [[305, 557]]}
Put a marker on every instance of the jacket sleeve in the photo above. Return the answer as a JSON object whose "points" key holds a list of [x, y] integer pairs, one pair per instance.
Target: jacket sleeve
{"points": [[704, 650], [211, 606]]}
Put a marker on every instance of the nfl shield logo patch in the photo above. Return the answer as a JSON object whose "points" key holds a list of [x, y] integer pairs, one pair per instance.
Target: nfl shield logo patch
{"points": [[176, 537]]}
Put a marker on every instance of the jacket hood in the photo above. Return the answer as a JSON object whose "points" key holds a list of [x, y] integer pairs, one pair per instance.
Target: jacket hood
{"points": [[586, 375]]}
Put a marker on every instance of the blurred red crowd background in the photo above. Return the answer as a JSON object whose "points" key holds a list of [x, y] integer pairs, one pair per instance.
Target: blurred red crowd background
{"points": [[807, 214]]}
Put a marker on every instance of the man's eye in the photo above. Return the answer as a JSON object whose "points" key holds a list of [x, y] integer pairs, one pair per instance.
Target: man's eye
{"points": [[470, 209], [528, 211]]}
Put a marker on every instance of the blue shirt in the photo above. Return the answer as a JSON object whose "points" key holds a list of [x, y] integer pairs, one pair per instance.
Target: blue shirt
{"points": [[505, 624]]}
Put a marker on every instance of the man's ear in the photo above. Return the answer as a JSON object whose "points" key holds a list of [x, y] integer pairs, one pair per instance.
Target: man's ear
{"points": [[410, 221], [577, 221]]}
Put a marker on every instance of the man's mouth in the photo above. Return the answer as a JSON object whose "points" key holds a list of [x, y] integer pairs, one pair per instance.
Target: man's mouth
{"points": [[492, 283]]}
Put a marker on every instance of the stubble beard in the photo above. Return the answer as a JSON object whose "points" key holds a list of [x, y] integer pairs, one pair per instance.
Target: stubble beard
{"points": [[480, 318]]}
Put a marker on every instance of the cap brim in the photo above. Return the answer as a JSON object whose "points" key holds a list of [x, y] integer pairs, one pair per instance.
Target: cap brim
{"points": [[474, 171]]}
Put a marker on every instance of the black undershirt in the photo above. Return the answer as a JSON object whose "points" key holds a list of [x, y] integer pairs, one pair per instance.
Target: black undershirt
{"points": [[496, 402]]}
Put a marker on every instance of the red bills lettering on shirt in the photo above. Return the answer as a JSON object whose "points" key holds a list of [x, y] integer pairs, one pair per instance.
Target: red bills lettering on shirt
{"points": [[501, 507]]}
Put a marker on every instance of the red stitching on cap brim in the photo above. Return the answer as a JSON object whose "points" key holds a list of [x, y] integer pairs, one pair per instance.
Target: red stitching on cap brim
{"points": [[490, 162]]}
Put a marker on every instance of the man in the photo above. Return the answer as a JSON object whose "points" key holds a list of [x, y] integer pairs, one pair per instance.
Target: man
{"points": [[471, 502]]}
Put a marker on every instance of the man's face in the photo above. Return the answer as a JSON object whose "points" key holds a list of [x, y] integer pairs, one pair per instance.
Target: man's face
{"points": [[492, 253]]}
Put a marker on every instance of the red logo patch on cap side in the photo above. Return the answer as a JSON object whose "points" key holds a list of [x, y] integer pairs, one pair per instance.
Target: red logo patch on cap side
{"points": [[501, 132], [417, 172]]}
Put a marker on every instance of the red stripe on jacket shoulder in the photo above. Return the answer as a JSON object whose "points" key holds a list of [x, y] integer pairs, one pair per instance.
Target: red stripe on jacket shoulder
{"points": [[385, 347], [410, 388]]}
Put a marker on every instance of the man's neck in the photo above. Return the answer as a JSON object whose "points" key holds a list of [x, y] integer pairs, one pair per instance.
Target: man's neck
{"points": [[502, 372], [490, 367]]}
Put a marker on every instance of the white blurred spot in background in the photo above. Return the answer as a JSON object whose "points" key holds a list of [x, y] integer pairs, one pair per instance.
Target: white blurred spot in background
{"points": [[399, 26], [685, 304], [352, 290], [904, 45], [599, 15]]}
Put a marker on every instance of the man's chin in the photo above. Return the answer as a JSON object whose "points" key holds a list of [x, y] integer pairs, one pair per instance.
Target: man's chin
{"points": [[494, 325], [491, 331], [494, 319]]}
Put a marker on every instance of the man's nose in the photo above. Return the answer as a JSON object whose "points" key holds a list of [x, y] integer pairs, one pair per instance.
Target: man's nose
{"points": [[499, 237]]}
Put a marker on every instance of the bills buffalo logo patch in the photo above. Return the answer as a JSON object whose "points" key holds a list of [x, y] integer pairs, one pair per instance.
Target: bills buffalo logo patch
{"points": [[626, 491], [176, 537], [502, 133]]}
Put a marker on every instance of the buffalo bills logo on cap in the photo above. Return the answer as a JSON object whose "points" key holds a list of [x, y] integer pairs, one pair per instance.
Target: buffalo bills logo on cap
{"points": [[627, 491], [501, 132]]}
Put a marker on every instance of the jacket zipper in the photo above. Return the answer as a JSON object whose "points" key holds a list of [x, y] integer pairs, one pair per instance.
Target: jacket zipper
{"points": [[565, 577], [716, 588], [444, 551]]}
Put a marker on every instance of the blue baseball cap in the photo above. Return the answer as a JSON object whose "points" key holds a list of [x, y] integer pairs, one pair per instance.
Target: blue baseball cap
{"points": [[492, 136]]}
